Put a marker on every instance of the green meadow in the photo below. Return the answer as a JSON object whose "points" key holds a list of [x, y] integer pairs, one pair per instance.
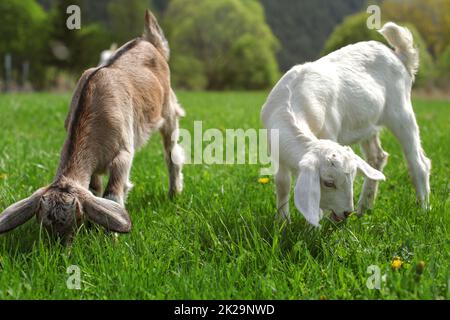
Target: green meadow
{"points": [[219, 239]]}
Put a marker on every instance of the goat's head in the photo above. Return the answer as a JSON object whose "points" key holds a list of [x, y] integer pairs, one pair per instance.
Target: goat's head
{"points": [[325, 180], [63, 206], [59, 210]]}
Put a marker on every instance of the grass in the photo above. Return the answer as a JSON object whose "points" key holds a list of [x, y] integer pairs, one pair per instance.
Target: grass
{"points": [[218, 240]]}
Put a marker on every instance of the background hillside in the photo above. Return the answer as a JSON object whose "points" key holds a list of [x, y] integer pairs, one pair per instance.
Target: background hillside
{"points": [[220, 44]]}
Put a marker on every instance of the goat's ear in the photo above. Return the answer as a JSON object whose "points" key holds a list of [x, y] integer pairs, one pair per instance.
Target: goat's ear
{"points": [[307, 189], [154, 34], [367, 170], [20, 212], [107, 213], [151, 24]]}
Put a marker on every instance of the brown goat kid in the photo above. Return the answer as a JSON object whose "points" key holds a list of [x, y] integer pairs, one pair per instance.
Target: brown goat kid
{"points": [[114, 109]]}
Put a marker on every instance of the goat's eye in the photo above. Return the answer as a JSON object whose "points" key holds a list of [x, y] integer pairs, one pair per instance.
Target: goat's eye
{"points": [[329, 184]]}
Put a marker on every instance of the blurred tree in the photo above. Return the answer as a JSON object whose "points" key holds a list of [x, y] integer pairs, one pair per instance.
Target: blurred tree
{"points": [[220, 44], [96, 11], [23, 35], [160, 6], [46, 4], [430, 17], [126, 18], [444, 64], [75, 50], [303, 26], [91, 41], [354, 29], [63, 41]]}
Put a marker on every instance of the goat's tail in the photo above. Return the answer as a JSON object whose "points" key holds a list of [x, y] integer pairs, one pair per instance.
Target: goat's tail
{"points": [[179, 111], [402, 40], [177, 108]]}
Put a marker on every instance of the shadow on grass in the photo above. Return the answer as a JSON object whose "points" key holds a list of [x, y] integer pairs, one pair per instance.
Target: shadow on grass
{"points": [[265, 234], [32, 237], [154, 198], [313, 239], [300, 232], [23, 240]]}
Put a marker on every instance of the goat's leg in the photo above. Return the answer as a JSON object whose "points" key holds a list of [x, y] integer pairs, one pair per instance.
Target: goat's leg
{"points": [[96, 185], [119, 183], [173, 154], [377, 158], [283, 187], [406, 130]]}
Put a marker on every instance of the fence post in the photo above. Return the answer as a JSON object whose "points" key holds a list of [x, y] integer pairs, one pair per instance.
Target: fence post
{"points": [[25, 74], [8, 72]]}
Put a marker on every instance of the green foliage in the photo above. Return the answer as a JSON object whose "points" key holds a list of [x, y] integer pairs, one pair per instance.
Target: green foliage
{"points": [[188, 72], [160, 6], [303, 26], [127, 18], [263, 69], [444, 64], [83, 46], [103, 22], [92, 40], [354, 29], [226, 42], [21, 28], [23, 34], [430, 17], [99, 11], [62, 37]]}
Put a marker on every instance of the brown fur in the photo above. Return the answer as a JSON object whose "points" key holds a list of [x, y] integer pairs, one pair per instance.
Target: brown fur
{"points": [[139, 82], [114, 109]]}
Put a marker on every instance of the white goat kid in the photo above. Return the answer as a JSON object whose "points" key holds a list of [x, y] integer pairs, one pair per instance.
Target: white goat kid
{"points": [[105, 55], [342, 99]]}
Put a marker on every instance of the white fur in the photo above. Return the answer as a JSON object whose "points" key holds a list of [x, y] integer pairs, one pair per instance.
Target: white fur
{"points": [[402, 40], [342, 99], [105, 55]]}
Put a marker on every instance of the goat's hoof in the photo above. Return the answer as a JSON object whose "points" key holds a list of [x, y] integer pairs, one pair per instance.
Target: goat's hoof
{"points": [[173, 193], [425, 205], [361, 211], [283, 218]]}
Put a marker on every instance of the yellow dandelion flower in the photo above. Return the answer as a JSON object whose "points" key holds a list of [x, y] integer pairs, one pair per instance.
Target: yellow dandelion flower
{"points": [[3, 176], [263, 180], [396, 263]]}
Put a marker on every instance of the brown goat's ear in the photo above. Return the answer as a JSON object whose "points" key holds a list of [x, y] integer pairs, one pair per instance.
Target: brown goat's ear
{"points": [[154, 34], [107, 213], [20, 212]]}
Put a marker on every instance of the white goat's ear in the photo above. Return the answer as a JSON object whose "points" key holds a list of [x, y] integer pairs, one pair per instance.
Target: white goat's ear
{"points": [[367, 170], [107, 213], [20, 212], [307, 190]]}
